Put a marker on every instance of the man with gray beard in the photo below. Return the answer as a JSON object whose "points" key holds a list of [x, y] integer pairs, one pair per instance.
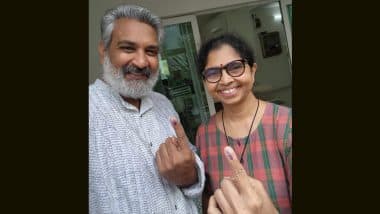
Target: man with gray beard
{"points": [[140, 160]]}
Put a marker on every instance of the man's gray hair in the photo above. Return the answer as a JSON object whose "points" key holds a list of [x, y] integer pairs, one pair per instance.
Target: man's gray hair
{"points": [[128, 11]]}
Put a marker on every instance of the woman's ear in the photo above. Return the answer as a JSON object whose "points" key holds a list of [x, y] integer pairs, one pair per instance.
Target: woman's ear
{"points": [[254, 68]]}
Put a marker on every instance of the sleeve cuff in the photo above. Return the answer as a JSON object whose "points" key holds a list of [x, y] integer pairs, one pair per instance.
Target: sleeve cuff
{"points": [[196, 189]]}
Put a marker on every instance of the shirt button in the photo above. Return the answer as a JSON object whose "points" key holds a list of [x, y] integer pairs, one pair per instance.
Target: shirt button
{"points": [[151, 144]]}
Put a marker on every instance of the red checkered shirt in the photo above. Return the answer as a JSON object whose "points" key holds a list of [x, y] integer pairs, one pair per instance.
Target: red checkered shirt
{"points": [[268, 156]]}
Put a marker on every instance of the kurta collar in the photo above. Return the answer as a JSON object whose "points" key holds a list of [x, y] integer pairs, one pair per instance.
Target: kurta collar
{"points": [[145, 105]]}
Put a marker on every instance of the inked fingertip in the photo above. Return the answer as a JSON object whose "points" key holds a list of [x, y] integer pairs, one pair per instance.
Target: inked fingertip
{"points": [[173, 120], [229, 152]]}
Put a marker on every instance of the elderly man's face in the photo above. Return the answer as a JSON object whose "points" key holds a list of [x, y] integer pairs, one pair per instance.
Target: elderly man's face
{"points": [[133, 45]]}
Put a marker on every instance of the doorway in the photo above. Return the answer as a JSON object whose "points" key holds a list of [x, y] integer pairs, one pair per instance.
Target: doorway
{"points": [[179, 79]]}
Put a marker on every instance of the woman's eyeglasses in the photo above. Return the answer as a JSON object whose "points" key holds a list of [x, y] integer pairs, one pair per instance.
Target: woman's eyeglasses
{"points": [[234, 69]]}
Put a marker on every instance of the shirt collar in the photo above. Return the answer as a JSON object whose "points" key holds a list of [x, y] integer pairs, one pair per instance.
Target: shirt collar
{"points": [[145, 105]]}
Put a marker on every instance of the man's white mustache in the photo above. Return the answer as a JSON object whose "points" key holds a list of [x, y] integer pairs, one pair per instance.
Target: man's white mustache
{"points": [[130, 69]]}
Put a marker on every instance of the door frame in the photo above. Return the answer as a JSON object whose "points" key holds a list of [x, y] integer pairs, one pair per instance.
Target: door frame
{"points": [[197, 39], [288, 27]]}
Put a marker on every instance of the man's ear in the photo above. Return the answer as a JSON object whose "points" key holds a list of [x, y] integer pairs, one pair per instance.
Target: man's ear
{"points": [[101, 51]]}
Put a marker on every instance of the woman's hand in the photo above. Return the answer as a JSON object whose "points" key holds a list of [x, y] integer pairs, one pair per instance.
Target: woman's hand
{"points": [[239, 193]]}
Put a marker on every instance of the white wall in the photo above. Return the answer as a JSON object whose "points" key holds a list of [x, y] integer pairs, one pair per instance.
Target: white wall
{"points": [[169, 8], [96, 11], [277, 68], [163, 8], [212, 25]]}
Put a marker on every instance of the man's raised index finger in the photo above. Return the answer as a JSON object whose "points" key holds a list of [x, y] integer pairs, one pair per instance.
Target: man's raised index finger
{"points": [[179, 131]]}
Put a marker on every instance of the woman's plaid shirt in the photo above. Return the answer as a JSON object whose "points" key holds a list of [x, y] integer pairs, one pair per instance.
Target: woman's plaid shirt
{"points": [[268, 156]]}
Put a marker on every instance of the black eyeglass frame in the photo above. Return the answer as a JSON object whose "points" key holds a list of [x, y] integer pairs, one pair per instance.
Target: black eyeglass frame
{"points": [[221, 68]]}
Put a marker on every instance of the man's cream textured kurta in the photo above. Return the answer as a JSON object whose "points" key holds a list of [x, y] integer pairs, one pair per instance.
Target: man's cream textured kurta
{"points": [[123, 175]]}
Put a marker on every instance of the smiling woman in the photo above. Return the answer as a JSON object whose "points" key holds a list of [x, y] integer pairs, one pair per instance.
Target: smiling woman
{"points": [[259, 132]]}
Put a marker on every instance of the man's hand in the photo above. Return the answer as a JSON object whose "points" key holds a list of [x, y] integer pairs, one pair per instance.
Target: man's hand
{"points": [[175, 160], [240, 193]]}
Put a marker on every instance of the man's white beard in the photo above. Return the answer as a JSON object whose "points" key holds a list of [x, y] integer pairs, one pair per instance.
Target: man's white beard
{"points": [[135, 89]]}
